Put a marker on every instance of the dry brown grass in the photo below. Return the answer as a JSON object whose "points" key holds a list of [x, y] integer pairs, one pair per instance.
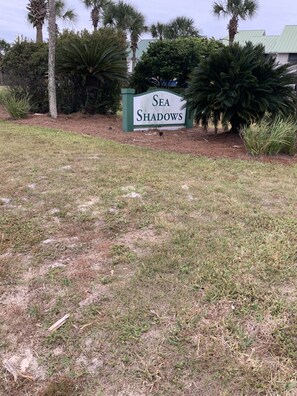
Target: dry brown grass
{"points": [[185, 287]]}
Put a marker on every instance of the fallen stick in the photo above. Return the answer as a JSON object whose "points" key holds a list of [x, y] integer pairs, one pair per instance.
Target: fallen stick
{"points": [[58, 324]]}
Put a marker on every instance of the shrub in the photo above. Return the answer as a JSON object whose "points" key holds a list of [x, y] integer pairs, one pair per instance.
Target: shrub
{"points": [[238, 85], [92, 66], [170, 61], [16, 103], [25, 67], [271, 137]]}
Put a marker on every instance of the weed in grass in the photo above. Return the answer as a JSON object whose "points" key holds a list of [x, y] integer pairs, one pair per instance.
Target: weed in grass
{"points": [[286, 341], [19, 233], [34, 312], [106, 280], [61, 387], [121, 254]]}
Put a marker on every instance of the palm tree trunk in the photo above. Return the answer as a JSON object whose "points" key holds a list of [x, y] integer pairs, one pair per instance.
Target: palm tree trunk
{"points": [[233, 29], [95, 18], [52, 58], [39, 34], [133, 58]]}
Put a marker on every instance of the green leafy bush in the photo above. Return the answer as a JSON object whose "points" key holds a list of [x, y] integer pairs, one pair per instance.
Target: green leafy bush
{"points": [[16, 103], [271, 137], [238, 85], [85, 82], [171, 61], [25, 67]]}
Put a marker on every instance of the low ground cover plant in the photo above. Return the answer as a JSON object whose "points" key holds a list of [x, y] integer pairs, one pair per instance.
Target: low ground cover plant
{"points": [[16, 102], [271, 137]]}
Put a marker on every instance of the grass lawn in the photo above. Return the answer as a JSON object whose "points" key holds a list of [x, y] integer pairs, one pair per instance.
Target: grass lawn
{"points": [[178, 272]]}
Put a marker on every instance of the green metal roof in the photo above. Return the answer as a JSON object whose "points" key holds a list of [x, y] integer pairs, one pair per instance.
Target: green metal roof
{"points": [[287, 41], [249, 34], [268, 42]]}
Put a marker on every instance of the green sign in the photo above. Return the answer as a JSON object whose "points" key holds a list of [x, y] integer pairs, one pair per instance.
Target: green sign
{"points": [[154, 109]]}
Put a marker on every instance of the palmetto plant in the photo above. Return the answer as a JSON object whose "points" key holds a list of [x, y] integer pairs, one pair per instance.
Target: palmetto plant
{"points": [[95, 62], [97, 6], [235, 9], [238, 85], [38, 13]]}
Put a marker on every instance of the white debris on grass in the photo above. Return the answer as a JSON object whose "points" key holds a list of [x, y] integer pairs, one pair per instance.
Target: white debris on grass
{"points": [[61, 240], [133, 194], [128, 188], [91, 365], [54, 211], [83, 207], [57, 265], [32, 186], [65, 167], [5, 201], [26, 363]]}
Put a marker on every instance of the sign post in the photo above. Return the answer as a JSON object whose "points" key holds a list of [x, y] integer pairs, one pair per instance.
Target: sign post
{"points": [[154, 109]]}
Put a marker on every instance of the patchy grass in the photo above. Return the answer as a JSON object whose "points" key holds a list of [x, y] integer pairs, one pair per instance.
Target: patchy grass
{"points": [[179, 273]]}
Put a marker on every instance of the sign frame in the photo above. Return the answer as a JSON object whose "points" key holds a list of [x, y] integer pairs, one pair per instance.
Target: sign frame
{"points": [[129, 125]]}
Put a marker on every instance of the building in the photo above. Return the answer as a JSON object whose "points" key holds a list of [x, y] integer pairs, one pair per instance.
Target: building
{"points": [[283, 47], [142, 47]]}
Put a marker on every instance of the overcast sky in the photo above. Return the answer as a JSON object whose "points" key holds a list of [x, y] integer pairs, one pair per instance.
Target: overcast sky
{"points": [[272, 16]]}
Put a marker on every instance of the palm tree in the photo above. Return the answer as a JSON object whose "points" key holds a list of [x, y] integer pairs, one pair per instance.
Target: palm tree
{"points": [[38, 13], [157, 30], [180, 27], [37, 10], [137, 27], [125, 18], [68, 15], [119, 16], [97, 6], [236, 9]]}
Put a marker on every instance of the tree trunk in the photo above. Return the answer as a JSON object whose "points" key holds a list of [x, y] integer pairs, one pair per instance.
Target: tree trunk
{"points": [[95, 18], [233, 29], [52, 58], [39, 35]]}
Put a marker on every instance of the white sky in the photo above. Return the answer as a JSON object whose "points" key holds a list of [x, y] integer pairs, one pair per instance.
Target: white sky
{"points": [[272, 16]]}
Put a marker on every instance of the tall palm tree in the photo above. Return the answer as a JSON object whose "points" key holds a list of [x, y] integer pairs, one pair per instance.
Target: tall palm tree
{"points": [[37, 10], [157, 30], [136, 28], [127, 19], [180, 27], [236, 9], [119, 15], [97, 6], [68, 15], [38, 14]]}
